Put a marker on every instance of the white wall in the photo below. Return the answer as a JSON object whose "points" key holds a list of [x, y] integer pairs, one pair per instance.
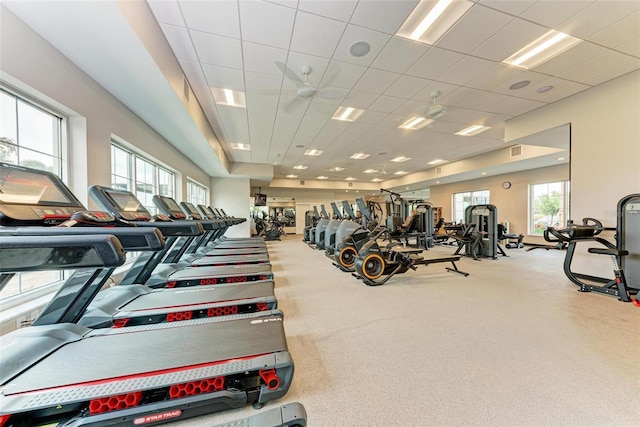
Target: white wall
{"points": [[29, 63], [605, 152], [232, 195]]}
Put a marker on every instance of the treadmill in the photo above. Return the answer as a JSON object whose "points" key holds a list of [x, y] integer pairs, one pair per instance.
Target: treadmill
{"points": [[149, 271], [124, 305], [192, 213], [59, 373], [168, 206]]}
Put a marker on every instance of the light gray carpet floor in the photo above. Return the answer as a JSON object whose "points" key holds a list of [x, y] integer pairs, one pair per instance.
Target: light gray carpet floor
{"points": [[513, 344]]}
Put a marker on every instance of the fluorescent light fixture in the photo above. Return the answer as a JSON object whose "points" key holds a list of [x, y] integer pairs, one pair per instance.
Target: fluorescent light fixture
{"points": [[231, 98], [312, 152], [415, 123], [560, 158], [322, 177], [542, 49], [240, 146], [292, 176], [400, 159], [473, 130], [435, 162], [359, 156], [483, 173], [347, 114], [336, 169], [430, 19], [400, 173], [370, 171], [300, 167], [350, 179], [376, 180]]}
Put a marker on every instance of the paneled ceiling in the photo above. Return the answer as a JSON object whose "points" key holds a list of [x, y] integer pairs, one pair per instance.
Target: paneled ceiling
{"points": [[260, 47]]}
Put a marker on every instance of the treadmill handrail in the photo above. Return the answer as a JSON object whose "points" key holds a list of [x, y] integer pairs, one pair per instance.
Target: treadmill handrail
{"points": [[37, 253], [132, 239]]}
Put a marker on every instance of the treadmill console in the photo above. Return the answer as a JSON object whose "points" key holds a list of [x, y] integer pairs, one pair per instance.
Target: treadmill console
{"points": [[205, 212], [121, 203], [169, 207], [191, 211], [348, 210], [34, 197]]}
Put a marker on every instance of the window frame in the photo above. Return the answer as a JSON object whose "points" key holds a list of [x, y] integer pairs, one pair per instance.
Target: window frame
{"points": [[192, 183], [563, 214], [472, 201]]}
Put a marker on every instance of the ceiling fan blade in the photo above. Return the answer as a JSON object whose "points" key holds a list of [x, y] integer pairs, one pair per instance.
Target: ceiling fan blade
{"points": [[289, 73], [293, 104]]}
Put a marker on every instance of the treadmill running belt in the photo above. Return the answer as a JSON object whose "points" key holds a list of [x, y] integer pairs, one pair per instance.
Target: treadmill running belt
{"points": [[103, 357]]}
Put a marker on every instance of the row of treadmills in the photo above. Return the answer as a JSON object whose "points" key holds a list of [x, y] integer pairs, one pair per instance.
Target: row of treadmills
{"points": [[161, 317]]}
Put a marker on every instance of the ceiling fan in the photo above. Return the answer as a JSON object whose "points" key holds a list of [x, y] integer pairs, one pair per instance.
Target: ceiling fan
{"points": [[436, 110], [305, 89]]}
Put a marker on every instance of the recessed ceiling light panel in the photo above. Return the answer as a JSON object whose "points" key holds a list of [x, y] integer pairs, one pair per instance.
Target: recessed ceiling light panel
{"points": [[300, 167], [415, 123], [359, 156], [370, 171], [292, 176], [228, 97], [312, 152], [336, 169], [376, 180], [240, 146], [473, 130], [401, 159], [542, 49], [347, 114], [400, 173], [435, 162], [322, 177], [431, 19], [350, 179]]}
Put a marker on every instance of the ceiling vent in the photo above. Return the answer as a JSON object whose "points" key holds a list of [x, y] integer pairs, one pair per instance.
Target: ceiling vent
{"points": [[516, 151], [439, 170], [186, 90], [302, 182]]}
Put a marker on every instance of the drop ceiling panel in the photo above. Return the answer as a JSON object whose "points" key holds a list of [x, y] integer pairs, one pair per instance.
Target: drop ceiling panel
{"points": [[531, 76], [625, 30], [465, 69], [515, 106], [603, 63], [315, 35], [399, 54], [342, 74], [466, 34], [445, 90], [376, 81], [617, 70], [410, 108], [221, 77], [340, 10], [361, 100], [386, 104], [372, 117], [516, 7], [494, 76], [383, 15], [433, 63], [468, 116], [235, 123], [215, 17], [632, 47], [265, 23], [178, 38], [393, 120], [597, 17], [561, 89], [262, 84], [578, 54], [513, 37], [217, 50], [553, 13], [261, 59], [406, 87], [167, 12], [354, 34]]}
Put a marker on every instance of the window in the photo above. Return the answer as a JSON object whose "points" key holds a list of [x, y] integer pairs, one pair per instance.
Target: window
{"points": [[30, 135], [548, 206], [141, 176], [196, 193], [462, 200]]}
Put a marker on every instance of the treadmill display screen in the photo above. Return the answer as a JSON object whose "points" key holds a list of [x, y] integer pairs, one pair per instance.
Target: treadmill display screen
{"points": [[20, 186], [190, 208], [125, 201], [171, 204]]}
